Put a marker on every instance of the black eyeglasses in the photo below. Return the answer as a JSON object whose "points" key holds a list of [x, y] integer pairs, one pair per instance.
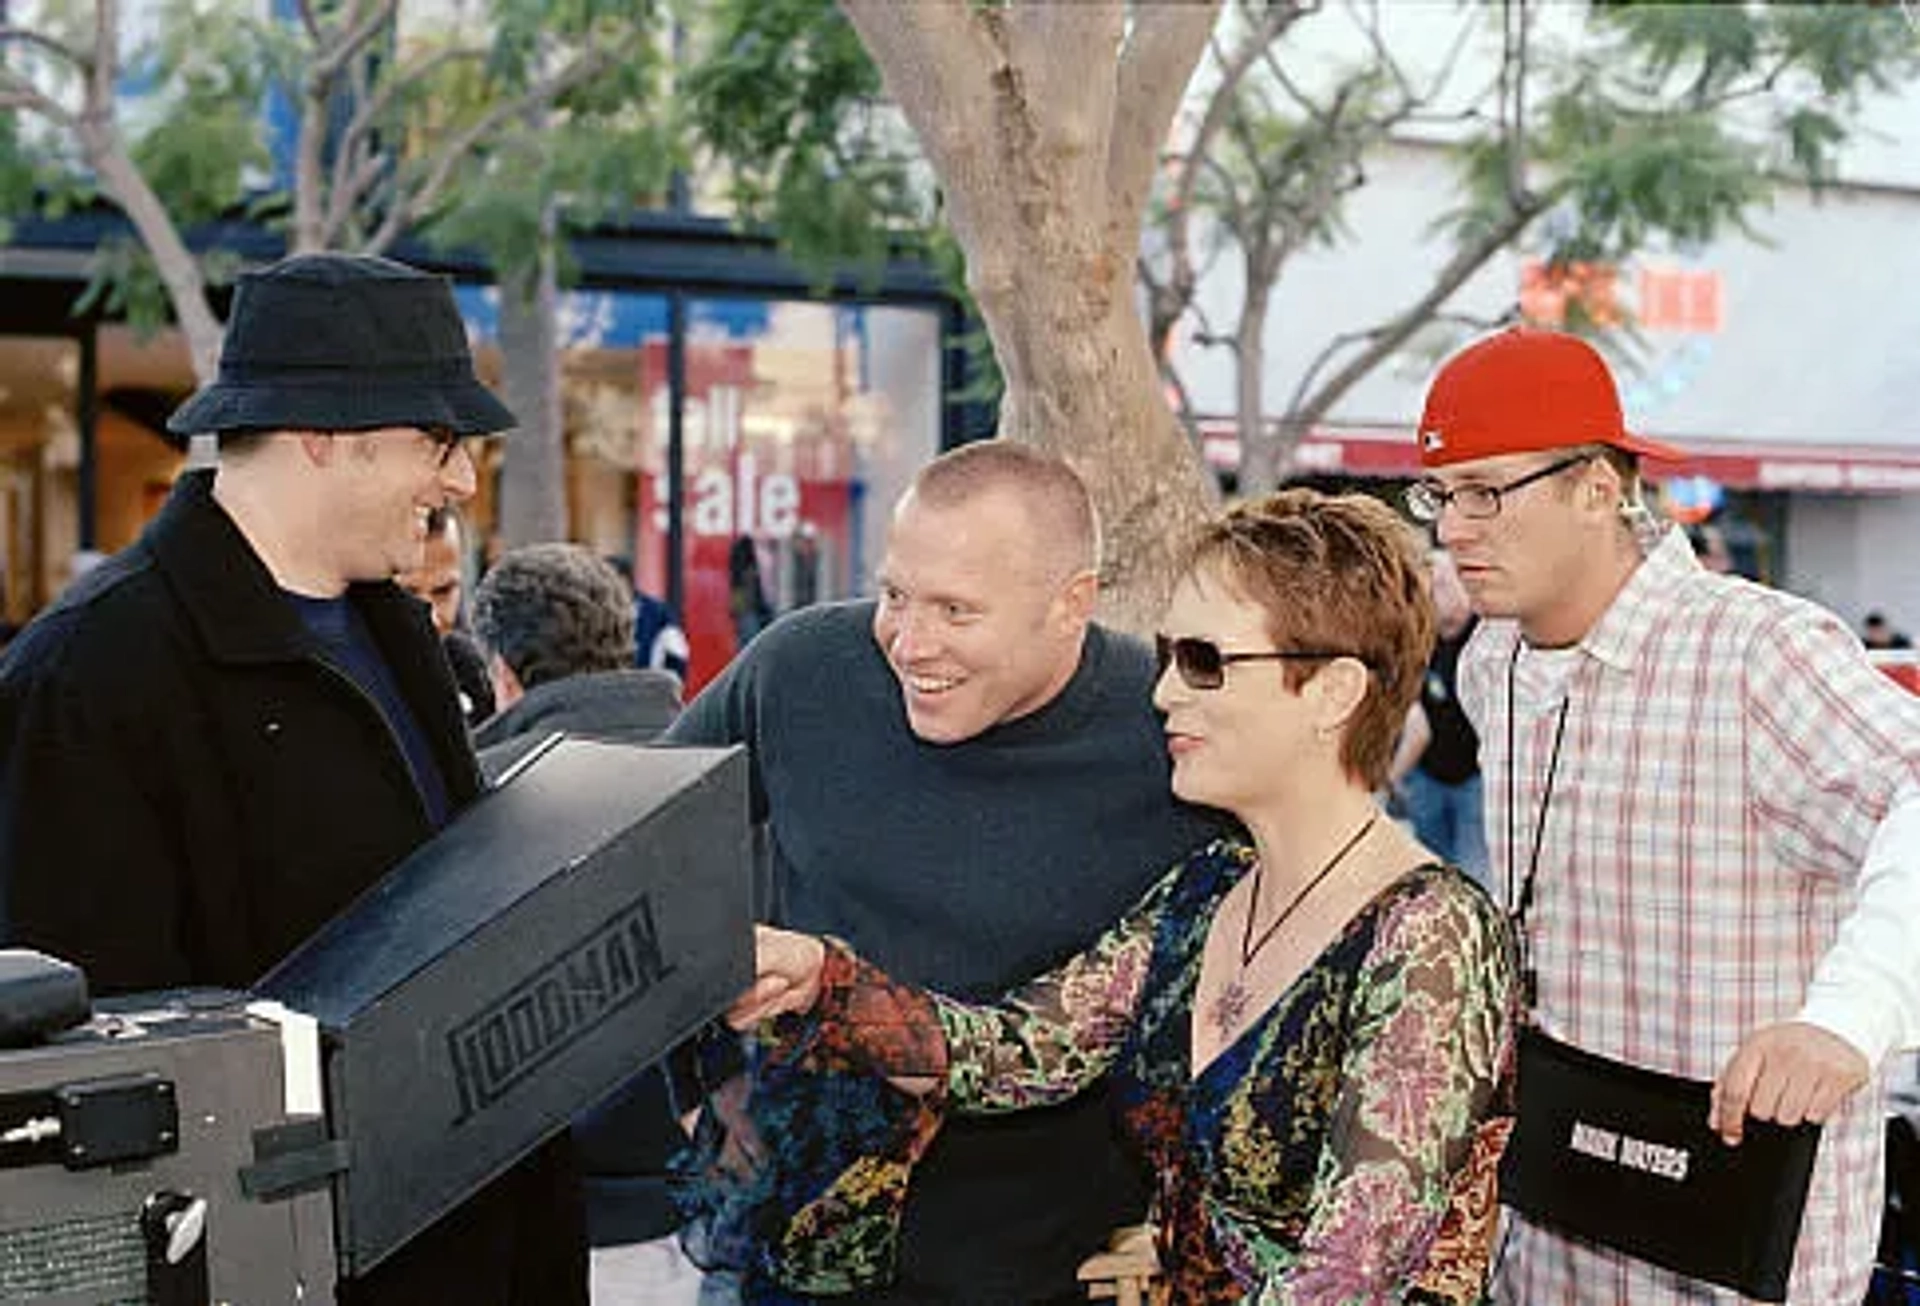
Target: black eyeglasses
{"points": [[444, 444], [1426, 500], [1203, 664]]}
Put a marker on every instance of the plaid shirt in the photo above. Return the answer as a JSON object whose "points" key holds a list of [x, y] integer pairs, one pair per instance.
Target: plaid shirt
{"points": [[1727, 755]]}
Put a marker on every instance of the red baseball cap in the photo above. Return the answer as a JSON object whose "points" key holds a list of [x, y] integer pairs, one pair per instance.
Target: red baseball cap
{"points": [[1524, 390]]}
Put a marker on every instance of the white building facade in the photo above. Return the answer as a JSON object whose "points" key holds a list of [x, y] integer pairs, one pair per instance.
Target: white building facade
{"points": [[1787, 366]]}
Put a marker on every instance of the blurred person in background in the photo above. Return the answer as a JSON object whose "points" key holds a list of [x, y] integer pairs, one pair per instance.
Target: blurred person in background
{"points": [[555, 626], [747, 601], [439, 582], [659, 640], [1435, 776], [1876, 632]]}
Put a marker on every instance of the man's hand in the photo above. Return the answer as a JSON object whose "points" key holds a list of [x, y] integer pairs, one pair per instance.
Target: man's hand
{"points": [[1787, 1073], [787, 977]]}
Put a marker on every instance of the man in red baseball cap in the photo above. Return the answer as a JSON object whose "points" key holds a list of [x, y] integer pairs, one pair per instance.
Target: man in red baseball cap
{"points": [[1703, 804]]}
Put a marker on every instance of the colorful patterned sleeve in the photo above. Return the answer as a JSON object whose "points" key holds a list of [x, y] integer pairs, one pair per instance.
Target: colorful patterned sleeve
{"points": [[804, 1163], [1041, 1043], [1054, 1035], [1404, 1199]]}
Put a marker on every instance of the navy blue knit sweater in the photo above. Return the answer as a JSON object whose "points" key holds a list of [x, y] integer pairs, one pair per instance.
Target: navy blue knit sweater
{"points": [[963, 867]]}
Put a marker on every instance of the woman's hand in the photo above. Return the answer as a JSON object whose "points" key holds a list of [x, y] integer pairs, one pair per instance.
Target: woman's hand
{"points": [[787, 977]]}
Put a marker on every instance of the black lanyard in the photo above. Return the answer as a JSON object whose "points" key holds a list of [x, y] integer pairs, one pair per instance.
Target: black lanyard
{"points": [[1518, 908]]}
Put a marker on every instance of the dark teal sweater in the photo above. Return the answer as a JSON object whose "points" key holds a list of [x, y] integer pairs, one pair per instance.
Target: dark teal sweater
{"points": [[967, 868]]}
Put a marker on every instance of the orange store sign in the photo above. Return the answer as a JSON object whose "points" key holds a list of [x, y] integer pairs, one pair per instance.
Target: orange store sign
{"points": [[1678, 299], [1664, 298]]}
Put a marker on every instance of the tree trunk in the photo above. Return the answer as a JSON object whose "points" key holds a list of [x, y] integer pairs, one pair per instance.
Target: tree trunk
{"points": [[1087, 389], [1262, 458], [533, 487], [1044, 122]]}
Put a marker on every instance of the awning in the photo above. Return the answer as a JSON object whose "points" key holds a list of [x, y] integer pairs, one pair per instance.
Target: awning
{"points": [[1827, 468]]}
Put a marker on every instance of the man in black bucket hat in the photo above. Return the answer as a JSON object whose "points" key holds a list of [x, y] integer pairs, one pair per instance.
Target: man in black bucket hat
{"points": [[223, 734]]}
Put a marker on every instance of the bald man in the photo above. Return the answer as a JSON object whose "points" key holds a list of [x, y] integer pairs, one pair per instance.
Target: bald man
{"points": [[965, 780]]}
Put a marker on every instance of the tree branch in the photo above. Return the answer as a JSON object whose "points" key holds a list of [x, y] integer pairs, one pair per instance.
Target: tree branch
{"points": [[1155, 66], [347, 196], [941, 62], [938, 59], [52, 45], [310, 20], [1182, 400], [1229, 197], [1513, 96], [399, 78], [104, 67], [1300, 98], [355, 164], [98, 133], [16, 94], [1168, 300], [1302, 414], [1275, 19], [333, 53], [308, 217], [1382, 55], [410, 208], [943, 47]]}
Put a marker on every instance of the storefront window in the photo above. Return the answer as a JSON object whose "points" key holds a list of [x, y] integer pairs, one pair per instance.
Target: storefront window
{"points": [[803, 421]]}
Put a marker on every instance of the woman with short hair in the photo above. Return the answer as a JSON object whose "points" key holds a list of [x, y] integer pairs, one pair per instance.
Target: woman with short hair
{"points": [[1310, 1026]]}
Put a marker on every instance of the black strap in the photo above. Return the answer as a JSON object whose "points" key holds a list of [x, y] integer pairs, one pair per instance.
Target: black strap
{"points": [[1519, 907], [293, 1158]]}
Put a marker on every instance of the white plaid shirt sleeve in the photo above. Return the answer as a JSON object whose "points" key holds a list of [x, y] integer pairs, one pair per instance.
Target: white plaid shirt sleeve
{"points": [[1867, 988]]}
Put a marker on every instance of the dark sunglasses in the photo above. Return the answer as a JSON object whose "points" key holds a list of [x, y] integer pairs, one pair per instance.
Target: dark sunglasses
{"points": [[1203, 664]]}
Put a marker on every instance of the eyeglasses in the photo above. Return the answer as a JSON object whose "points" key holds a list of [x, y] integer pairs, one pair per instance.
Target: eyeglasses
{"points": [[445, 443], [1203, 664], [1426, 500]]}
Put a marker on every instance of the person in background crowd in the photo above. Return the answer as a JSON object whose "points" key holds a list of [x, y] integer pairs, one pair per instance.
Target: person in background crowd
{"points": [[1704, 807], [659, 641], [1310, 1029], [225, 733], [1709, 544], [1436, 768], [556, 624], [966, 781], [804, 566], [747, 602], [1877, 632], [438, 583]]}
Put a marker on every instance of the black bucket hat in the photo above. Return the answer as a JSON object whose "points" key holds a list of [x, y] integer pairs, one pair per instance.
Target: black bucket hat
{"points": [[342, 342]]}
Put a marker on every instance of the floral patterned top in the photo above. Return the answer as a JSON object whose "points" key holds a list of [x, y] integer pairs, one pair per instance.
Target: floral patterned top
{"points": [[1342, 1150]]}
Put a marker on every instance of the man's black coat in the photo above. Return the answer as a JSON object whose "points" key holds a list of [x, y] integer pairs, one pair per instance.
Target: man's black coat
{"points": [[187, 791]]}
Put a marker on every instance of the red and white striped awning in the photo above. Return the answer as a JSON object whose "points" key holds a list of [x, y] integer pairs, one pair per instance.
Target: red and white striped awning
{"points": [[1380, 451]]}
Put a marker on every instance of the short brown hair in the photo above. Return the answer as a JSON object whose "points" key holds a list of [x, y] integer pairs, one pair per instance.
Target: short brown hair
{"points": [[1054, 497], [555, 610], [1334, 572]]}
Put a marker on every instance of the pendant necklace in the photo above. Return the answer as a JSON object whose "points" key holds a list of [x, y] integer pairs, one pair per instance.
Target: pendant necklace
{"points": [[1231, 1005]]}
